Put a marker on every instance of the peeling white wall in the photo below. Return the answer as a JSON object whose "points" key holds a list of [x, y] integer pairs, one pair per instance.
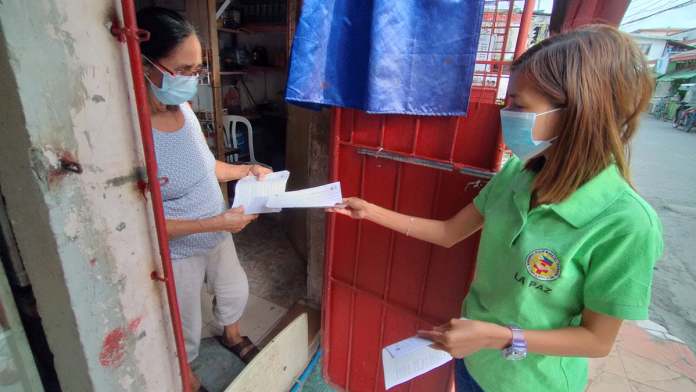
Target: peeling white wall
{"points": [[87, 240]]}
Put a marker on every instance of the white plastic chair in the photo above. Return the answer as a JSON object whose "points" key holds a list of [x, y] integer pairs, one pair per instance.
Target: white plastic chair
{"points": [[230, 125]]}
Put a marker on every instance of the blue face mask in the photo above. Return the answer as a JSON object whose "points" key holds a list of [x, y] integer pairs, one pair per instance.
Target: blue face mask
{"points": [[517, 133], [176, 89]]}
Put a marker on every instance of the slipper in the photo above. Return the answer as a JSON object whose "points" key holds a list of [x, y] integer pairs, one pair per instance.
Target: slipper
{"points": [[239, 348]]}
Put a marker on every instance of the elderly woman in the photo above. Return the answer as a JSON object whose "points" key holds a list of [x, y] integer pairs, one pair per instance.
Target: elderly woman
{"points": [[197, 219]]}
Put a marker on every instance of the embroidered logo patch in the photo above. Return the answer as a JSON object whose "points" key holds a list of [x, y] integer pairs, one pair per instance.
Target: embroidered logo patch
{"points": [[543, 265]]}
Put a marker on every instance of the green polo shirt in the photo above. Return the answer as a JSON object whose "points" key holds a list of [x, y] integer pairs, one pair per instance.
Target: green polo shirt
{"points": [[538, 269]]}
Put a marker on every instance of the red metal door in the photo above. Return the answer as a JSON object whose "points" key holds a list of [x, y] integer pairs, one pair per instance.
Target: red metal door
{"points": [[381, 286]]}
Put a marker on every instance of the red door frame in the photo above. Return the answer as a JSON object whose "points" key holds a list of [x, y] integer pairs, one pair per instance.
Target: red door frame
{"points": [[379, 285]]}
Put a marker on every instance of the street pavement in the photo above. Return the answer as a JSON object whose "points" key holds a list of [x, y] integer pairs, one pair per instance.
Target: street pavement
{"points": [[663, 166]]}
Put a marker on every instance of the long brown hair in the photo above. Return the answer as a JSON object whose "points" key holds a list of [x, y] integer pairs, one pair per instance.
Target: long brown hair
{"points": [[601, 80]]}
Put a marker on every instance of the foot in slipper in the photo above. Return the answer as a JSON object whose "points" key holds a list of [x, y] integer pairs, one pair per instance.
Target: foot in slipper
{"points": [[245, 350], [196, 385]]}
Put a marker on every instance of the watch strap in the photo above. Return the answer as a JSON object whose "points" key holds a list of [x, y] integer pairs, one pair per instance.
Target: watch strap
{"points": [[517, 335]]}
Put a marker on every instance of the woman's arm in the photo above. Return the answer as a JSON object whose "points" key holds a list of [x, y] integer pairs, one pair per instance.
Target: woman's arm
{"points": [[594, 337], [444, 233], [232, 220], [226, 172]]}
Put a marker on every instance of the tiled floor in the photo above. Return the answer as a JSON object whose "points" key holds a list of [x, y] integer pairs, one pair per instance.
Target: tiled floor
{"points": [[275, 270], [645, 358], [277, 280]]}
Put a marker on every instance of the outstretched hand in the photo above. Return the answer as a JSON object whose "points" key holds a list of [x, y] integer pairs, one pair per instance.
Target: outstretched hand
{"points": [[355, 208]]}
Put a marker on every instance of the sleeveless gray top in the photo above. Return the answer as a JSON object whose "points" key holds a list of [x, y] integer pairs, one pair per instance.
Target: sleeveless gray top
{"points": [[193, 192]]}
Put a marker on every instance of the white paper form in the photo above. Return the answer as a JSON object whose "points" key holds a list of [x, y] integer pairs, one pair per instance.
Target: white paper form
{"points": [[253, 194], [319, 197], [408, 346], [409, 359]]}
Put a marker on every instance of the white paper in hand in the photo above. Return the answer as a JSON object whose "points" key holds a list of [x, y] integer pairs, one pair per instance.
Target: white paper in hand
{"points": [[408, 359], [318, 197], [253, 194]]}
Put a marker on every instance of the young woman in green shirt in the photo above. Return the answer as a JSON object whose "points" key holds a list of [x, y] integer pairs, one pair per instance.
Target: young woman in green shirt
{"points": [[567, 246]]}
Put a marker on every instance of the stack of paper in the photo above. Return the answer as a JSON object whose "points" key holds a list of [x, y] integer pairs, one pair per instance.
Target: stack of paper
{"points": [[259, 197]]}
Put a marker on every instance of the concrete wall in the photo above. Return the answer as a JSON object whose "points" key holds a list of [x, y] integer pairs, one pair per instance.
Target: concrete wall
{"points": [[657, 46], [316, 226], [86, 239], [307, 160], [297, 162], [197, 12], [684, 35]]}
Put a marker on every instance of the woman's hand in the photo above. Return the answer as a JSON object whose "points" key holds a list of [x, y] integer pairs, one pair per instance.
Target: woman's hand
{"points": [[461, 338], [228, 172], [259, 171], [234, 220], [444, 233], [355, 208]]}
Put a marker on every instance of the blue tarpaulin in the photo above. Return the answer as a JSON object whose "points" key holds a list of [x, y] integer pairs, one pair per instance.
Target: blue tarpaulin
{"points": [[385, 56]]}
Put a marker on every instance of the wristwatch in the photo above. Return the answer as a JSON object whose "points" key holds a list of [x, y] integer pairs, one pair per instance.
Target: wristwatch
{"points": [[518, 349]]}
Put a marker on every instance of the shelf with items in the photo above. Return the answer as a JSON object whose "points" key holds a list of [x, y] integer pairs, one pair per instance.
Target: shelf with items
{"points": [[252, 49], [253, 69], [206, 56], [237, 60], [266, 28], [259, 68], [257, 29], [234, 31], [252, 12]]}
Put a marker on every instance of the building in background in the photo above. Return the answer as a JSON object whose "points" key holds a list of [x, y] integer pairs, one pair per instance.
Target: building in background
{"points": [[655, 47], [494, 36], [672, 54], [539, 30], [684, 35], [658, 32]]}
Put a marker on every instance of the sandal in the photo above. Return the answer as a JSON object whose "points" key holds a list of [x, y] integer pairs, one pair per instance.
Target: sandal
{"points": [[201, 388], [240, 347]]}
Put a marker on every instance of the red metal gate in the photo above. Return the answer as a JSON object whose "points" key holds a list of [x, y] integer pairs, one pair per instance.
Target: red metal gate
{"points": [[381, 286]]}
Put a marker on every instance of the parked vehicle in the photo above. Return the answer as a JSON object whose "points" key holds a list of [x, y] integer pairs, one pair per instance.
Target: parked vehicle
{"points": [[685, 119], [685, 115], [679, 115], [661, 109]]}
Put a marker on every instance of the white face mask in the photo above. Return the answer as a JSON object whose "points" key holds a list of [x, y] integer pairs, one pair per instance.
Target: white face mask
{"points": [[176, 89], [517, 133]]}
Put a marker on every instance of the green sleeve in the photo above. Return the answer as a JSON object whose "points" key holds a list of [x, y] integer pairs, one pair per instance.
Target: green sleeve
{"points": [[620, 273], [481, 200]]}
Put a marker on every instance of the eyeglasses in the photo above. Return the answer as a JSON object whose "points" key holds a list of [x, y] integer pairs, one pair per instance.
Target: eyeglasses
{"points": [[198, 71]]}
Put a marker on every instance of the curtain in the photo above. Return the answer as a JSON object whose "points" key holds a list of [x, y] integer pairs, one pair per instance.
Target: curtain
{"points": [[570, 14], [385, 56]]}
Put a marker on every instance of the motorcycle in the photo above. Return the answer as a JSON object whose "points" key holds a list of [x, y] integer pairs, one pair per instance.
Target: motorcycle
{"points": [[685, 117]]}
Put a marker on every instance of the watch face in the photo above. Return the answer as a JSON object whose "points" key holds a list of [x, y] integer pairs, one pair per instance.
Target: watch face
{"points": [[515, 356], [518, 349], [514, 353]]}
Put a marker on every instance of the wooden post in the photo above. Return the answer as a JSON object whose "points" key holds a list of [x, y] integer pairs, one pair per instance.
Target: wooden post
{"points": [[216, 86]]}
